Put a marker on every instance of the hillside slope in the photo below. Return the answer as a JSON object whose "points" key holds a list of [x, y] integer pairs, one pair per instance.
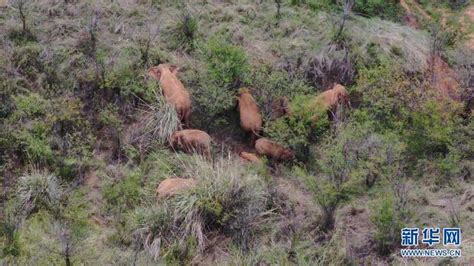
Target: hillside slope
{"points": [[85, 130]]}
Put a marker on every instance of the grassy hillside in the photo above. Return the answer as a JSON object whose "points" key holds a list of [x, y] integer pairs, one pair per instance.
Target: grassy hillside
{"points": [[84, 131]]}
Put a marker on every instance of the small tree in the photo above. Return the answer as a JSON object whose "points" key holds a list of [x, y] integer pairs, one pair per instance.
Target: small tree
{"points": [[67, 243], [22, 7], [186, 32], [347, 6], [144, 42], [278, 5]]}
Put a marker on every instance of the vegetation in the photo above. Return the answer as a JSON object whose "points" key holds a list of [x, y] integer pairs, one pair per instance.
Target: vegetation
{"points": [[84, 131]]}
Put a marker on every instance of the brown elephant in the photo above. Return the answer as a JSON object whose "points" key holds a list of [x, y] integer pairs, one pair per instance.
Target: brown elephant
{"points": [[173, 90], [192, 140], [273, 150], [250, 117], [171, 186]]}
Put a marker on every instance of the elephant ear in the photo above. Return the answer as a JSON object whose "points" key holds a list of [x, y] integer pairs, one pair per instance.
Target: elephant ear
{"points": [[174, 69], [155, 73]]}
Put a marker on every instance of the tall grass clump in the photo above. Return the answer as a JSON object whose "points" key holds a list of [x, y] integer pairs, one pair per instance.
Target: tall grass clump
{"points": [[227, 199], [39, 190], [159, 122]]}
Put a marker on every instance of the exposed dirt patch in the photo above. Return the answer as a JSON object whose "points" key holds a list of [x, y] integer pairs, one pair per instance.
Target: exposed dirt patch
{"points": [[235, 144], [94, 196], [443, 77], [357, 233], [410, 18], [303, 201]]}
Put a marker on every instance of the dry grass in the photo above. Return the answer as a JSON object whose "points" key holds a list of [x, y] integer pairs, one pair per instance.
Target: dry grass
{"points": [[38, 189], [390, 38], [228, 199]]}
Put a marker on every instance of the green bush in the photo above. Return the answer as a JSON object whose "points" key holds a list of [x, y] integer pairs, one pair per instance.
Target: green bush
{"points": [[227, 63], [125, 73], [350, 162], [34, 143], [71, 132], [453, 4], [213, 99], [387, 223], [27, 59], [390, 9], [161, 120], [21, 37], [269, 84], [430, 130], [315, 5], [306, 124], [327, 193], [185, 33], [9, 235], [214, 103], [388, 95], [289, 130], [29, 106], [109, 116], [123, 194]]}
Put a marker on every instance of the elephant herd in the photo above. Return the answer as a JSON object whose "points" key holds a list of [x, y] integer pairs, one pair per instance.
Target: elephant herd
{"points": [[251, 121]]}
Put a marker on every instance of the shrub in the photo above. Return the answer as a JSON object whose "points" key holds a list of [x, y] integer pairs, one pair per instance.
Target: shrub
{"points": [[385, 9], [29, 106], [109, 116], [327, 194], [184, 35], [289, 130], [430, 130], [27, 59], [329, 67], [270, 84], [22, 7], [32, 144], [387, 223], [388, 95], [348, 162], [215, 104], [307, 123], [153, 229], [144, 44], [70, 135], [124, 73], [124, 193], [315, 5], [453, 4], [9, 235], [226, 63]]}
